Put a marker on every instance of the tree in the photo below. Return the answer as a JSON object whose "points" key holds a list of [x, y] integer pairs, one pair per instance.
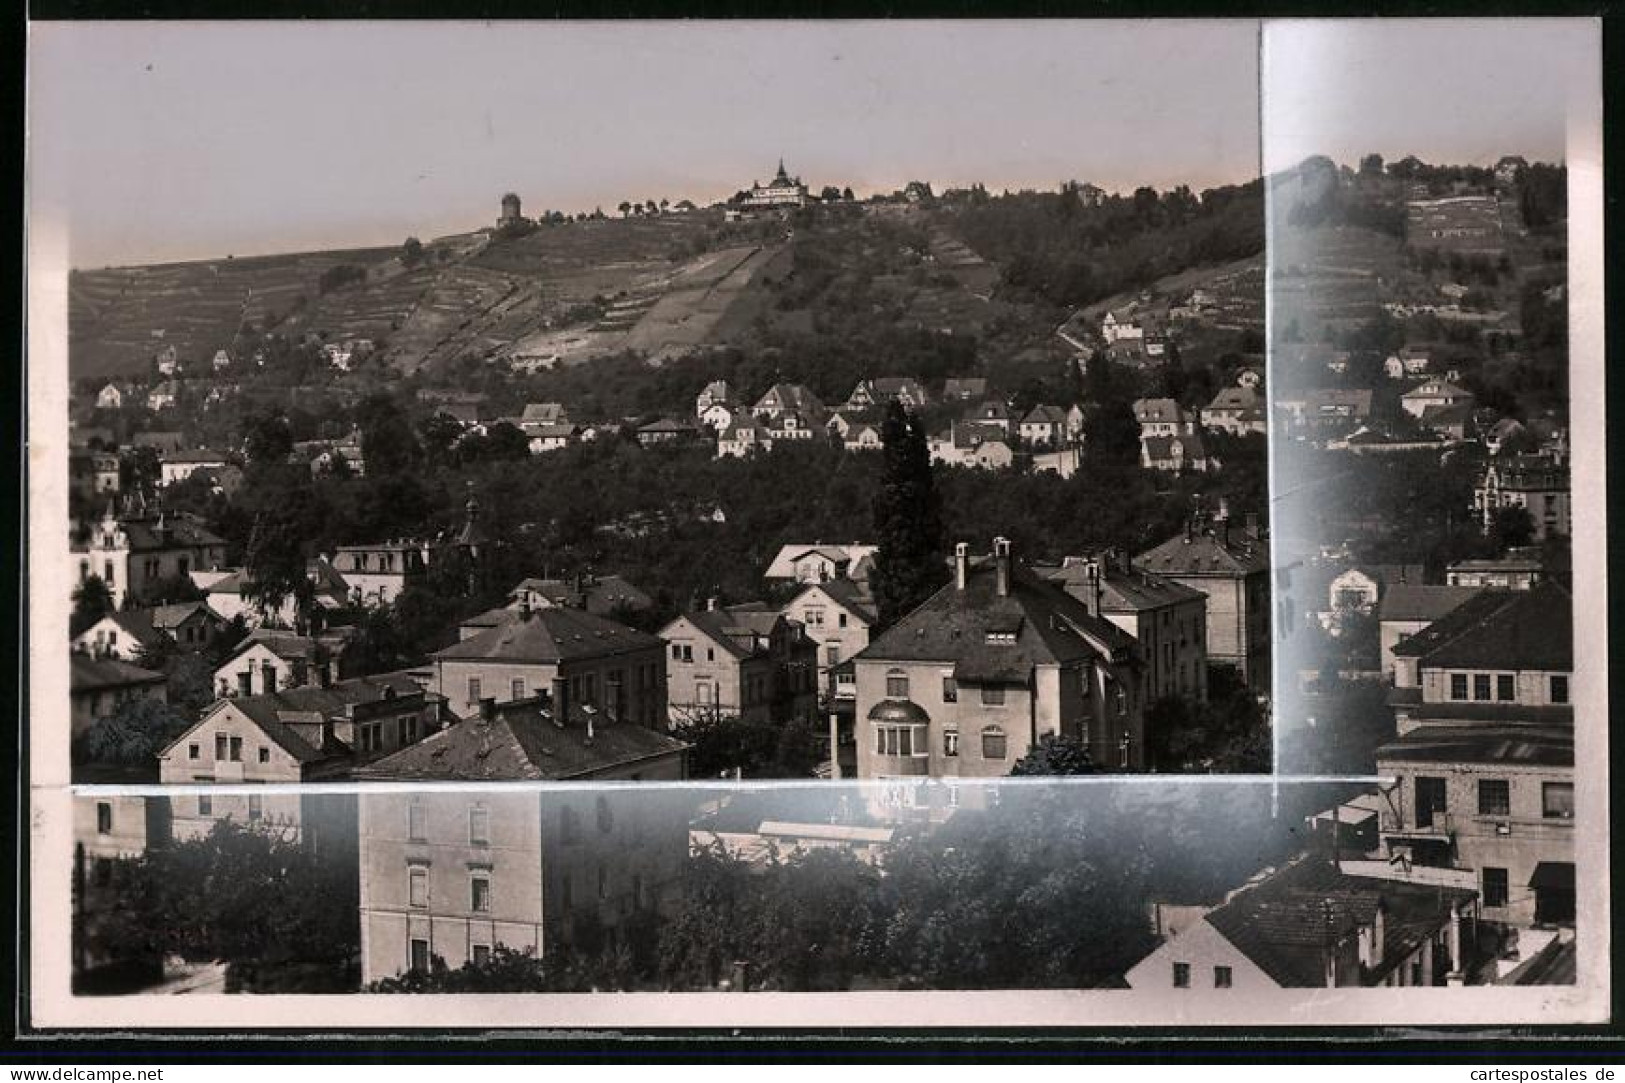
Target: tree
{"points": [[274, 560], [1056, 754], [133, 735], [625, 208], [388, 443], [92, 600], [269, 439], [907, 516], [1371, 165], [1512, 527], [412, 252]]}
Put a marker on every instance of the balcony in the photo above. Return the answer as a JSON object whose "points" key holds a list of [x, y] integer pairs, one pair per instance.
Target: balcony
{"points": [[902, 766]]}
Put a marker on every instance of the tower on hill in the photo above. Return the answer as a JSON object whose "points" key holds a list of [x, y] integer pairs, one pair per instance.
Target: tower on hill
{"points": [[510, 211]]}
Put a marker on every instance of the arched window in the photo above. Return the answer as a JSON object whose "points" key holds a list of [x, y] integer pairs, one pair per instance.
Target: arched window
{"points": [[994, 745], [896, 684]]}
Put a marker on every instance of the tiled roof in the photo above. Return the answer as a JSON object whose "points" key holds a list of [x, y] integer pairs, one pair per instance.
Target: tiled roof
{"points": [[550, 636], [855, 597], [595, 594], [1121, 591], [1043, 414], [1202, 552], [179, 532], [954, 626], [173, 616], [291, 646], [1158, 411], [1421, 601], [1286, 923], [522, 742], [88, 674], [1526, 629], [272, 711], [1529, 745], [1236, 398]]}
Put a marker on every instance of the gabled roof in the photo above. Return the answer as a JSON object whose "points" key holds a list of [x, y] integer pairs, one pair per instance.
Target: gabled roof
{"points": [[167, 532], [543, 412], [1236, 398], [783, 564], [855, 597], [667, 424], [964, 387], [1421, 601], [790, 397], [167, 617], [550, 636], [1286, 922], [135, 623], [291, 646], [86, 674], [1049, 627], [1125, 592], [1043, 414], [1158, 411], [1511, 630], [598, 594], [1434, 389], [273, 711], [741, 630], [522, 742]]}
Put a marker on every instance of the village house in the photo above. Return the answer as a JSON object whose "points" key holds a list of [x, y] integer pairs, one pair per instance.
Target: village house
{"points": [[1484, 761], [110, 397], [97, 687], [163, 396], [969, 681], [863, 437], [588, 660], [1519, 568], [1230, 565], [601, 595], [991, 414], [740, 661], [1114, 330], [666, 431], [1235, 410], [1175, 454], [982, 445], [1064, 462], [1408, 362], [137, 553], [545, 438], [1432, 394], [742, 439], [783, 191], [310, 734], [377, 574], [964, 388], [227, 592], [872, 394], [94, 472], [819, 562], [791, 425], [786, 398], [1539, 484], [837, 615], [1167, 619], [1324, 409], [177, 466], [1161, 417], [719, 416], [1044, 426], [1407, 608], [449, 876], [271, 659], [715, 393], [191, 626], [1316, 924]]}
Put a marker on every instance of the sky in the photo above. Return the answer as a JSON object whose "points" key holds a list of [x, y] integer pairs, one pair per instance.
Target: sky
{"points": [[164, 141]]}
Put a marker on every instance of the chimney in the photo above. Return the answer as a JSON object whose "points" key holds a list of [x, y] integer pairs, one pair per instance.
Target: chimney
{"points": [[1092, 573], [561, 701], [711, 604], [961, 565], [1379, 933], [1001, 563]]}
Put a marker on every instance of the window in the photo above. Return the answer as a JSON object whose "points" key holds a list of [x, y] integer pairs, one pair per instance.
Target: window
{"points": [[1495, 887], [993, 743], [832, 654], [992, 695], [104, 817], [1481, 686], [1222, 977], [193, 752], [473, 690], [517, 691], [236, 750], [420, 956], [1430, 800], [901, 741], [265, 754], [1182, 975], [221, 744], [1458, 686], [479, 894], [950, 743], [482, 954], [950, 689], [896, 684], [688, 652], [1494, 797], [1557, 800], [256, 806], [479, 825], [415, 818], [606, 815], [205, 804], [1560, 688], [840, 620], [676, 652], [1505, 687], [417, 886]]}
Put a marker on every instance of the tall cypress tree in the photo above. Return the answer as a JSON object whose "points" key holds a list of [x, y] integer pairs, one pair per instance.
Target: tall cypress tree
{"points": [[907, 520]]}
